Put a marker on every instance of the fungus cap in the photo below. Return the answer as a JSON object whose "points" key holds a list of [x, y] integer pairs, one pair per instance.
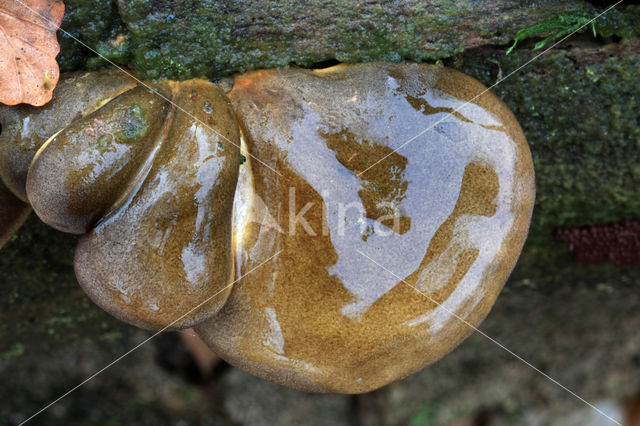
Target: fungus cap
{"points": [[151, 188], [378, 214], [400, 211]]}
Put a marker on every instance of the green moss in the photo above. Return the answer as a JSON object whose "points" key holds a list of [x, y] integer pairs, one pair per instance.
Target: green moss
{"points": [[194, 38], [561, 26], [95, 23], [622, 21], [116, 49], [210, 38]]}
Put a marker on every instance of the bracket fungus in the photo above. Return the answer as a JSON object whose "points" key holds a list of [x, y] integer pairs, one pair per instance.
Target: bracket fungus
{"points": [[378, 214]]}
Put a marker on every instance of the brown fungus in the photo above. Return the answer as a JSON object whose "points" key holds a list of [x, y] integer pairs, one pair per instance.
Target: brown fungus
{"points": [[152, 186], [417, 206], [25, 128], [374, 222]]}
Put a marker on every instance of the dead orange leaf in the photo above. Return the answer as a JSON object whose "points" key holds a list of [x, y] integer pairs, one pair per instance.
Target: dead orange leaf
{"points": [[28, 49]]}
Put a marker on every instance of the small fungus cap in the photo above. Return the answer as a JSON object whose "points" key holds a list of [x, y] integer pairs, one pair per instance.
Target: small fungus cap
{"points": [[26, 128], [151, 187]]}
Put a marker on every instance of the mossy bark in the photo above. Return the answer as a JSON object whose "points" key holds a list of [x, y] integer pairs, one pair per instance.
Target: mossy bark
{"points": [[577, 105], [193, 38]]}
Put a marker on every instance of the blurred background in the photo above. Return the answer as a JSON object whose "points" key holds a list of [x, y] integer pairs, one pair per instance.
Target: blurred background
{"points": [[583, 333]]}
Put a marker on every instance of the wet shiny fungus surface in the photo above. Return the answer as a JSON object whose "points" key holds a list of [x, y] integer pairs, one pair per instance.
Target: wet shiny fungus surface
{"points": [[26, 128], [394, 224], [152, 187], [330, 230]]}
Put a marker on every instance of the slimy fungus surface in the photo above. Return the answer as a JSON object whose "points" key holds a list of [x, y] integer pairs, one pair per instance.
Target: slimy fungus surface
{"points": [[152, 185], [378, 214], [417, 206], [26, 128]]}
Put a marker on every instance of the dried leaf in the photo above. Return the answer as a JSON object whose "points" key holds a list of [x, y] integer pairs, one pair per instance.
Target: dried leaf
{"points": [[28, 49]]}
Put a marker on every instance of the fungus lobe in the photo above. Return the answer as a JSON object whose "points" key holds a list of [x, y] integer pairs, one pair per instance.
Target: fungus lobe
{"points": [[26, 128], [151, 186]]}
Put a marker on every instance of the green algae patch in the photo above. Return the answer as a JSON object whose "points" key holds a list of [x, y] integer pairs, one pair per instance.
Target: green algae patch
{"points": [[134, 125]]}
